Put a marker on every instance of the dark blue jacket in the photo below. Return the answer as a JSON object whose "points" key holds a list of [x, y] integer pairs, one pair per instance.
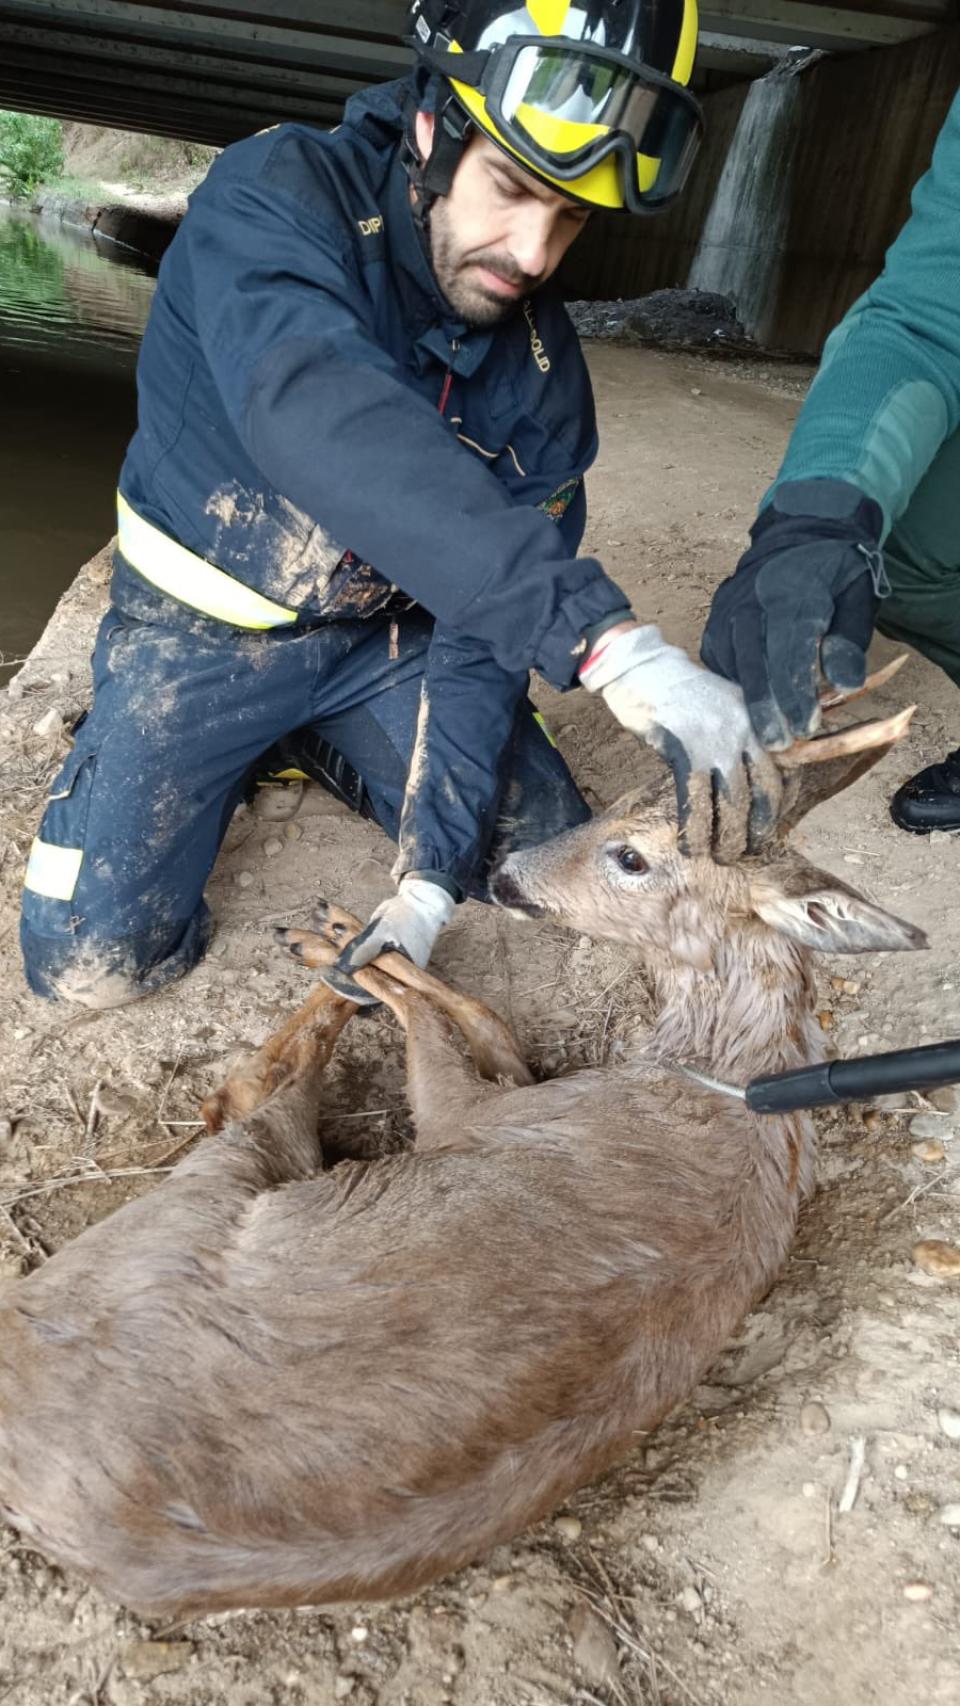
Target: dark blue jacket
{"points": [[289, 432]]}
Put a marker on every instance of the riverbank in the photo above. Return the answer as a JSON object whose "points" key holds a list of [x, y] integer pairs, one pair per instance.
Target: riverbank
{"points": [[139, 221], [130, 188]]}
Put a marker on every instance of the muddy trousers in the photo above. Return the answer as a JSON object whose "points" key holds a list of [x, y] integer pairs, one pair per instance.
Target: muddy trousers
{"points": [[114, 904]]}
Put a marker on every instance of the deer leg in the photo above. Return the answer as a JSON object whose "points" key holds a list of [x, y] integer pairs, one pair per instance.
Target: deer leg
{"points": [[443, 1088], [304, 1042], [495, 1050]]}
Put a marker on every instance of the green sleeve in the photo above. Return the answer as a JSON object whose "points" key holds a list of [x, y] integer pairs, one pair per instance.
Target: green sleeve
{"points": [[888, 391]]}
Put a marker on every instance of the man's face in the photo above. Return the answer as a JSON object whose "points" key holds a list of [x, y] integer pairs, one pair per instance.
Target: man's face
{"points": [[499, 234]]}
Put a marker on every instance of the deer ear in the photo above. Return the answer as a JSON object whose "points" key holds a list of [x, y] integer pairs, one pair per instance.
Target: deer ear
{"points": [[822, 913]]}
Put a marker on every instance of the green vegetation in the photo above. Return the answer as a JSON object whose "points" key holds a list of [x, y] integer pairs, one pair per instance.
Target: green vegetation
{"points": [[32, 271], [31, 152]]}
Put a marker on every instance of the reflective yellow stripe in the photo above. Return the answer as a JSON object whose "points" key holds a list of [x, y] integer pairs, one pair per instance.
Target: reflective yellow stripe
{"points": [[549, 15], [191, 580], [53, 871], [538, 718], [687, 45]]}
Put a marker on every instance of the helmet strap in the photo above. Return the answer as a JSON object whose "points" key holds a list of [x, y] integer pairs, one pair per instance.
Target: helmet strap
{"points": [[434, 176]]}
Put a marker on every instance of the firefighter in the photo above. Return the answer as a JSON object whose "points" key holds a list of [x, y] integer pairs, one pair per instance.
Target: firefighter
{"points": [[353, 505]]}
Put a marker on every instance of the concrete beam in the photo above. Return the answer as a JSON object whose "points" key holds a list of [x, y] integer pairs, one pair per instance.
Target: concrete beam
{"points": [[806, 23]]}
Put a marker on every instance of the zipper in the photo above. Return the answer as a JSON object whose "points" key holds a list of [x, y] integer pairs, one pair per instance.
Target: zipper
{"points": [[448, 378]]}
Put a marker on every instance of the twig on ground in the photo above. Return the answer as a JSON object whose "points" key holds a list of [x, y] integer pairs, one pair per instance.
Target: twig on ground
{"points": [[91, 1692], [601, 1046], [828, 1533], [75, 1105], [93, 1115], [851, 1486], [100, 1177], [166, 1088], [918, 1191]]}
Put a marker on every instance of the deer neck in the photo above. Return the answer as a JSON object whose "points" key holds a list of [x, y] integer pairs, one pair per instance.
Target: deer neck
{"points": [[751, 1015]]}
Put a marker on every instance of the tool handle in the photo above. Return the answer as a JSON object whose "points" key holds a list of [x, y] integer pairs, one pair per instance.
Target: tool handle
{"points": [[855, 1080]]}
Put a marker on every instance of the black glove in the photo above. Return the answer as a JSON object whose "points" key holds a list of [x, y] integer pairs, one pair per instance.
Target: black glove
{"points": [[809, 584]]}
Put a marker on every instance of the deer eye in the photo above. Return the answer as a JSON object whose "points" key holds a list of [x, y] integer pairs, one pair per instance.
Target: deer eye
{"points": [[630, 860]]}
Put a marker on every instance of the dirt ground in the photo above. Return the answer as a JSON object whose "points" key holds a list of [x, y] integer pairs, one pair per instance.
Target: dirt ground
{"points": [[714, 1566]]}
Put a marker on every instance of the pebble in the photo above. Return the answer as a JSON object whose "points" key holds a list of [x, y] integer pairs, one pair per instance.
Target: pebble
{"points": [[272, 847], [359, 1633], [501, 1584], [872, 1119], [949, 1421], [568, 1527], [825, 1019], [6, 1130], [689, 1600], [814, 1417], [852, 859], [930, 1151], [695, 391], [926, 1125], [900, 1472], [950, 1516], [51, 723], [649, 1542], [809, 1489], [946, 1098], [917, 1591], [594, 1649], [935, 1257], [146, 1660], [292, 831], [342, 1686], [243, 879]]}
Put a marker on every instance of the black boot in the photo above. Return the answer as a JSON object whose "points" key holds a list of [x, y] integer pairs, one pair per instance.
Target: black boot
{"points": [[931, 798], [304, 757]]}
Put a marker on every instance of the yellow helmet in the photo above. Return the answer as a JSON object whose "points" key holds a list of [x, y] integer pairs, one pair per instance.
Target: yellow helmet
{"points": [[590, 95]]}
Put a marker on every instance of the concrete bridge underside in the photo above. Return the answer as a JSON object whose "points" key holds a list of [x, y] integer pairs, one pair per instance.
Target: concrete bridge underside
{"points": [[211, 71]]}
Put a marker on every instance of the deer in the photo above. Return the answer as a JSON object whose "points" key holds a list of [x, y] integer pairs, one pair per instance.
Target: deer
{"points": [[271, 1382]]}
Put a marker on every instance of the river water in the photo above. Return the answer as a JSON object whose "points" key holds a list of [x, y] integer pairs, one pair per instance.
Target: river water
{"points": [[72, 312]]}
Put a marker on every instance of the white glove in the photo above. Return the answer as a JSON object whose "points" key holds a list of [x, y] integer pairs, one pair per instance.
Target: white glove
{"points": [[698, 722], [410, 921]]}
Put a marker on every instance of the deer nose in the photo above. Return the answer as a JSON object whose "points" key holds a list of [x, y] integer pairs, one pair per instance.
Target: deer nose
{"points": [[506, 891]]}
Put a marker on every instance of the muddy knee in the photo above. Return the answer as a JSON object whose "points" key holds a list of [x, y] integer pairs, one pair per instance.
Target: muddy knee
{"points": [[99, 973]]}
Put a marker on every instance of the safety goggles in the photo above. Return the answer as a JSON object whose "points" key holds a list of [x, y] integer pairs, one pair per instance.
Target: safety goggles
{"points": [[565, 107]]}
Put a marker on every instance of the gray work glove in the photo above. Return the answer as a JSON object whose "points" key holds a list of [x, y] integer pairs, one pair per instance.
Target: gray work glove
{"points": [[728, 789], [409, 923]]}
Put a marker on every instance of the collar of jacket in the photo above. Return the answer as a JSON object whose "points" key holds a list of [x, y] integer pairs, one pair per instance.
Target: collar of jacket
{"points": [[438, 334]]}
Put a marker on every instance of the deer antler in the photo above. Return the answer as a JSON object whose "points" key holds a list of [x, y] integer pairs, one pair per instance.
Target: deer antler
{"points": [[832, 697], [859, 737]]}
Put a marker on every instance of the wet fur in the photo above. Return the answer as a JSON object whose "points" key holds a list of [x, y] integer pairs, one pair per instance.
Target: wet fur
{"points": [[264, 1386]]}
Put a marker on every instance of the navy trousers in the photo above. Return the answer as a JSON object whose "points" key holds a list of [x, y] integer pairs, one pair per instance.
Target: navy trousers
{"points": [[114, 905]]}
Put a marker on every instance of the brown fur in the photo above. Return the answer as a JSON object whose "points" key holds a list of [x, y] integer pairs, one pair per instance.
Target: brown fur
{"points": [[264, 1385]]}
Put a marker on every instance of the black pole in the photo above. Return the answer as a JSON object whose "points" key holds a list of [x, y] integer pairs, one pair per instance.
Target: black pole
{"points": [[856, 1080]]}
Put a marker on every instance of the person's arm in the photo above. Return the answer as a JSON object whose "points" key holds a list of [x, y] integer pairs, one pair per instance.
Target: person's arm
{"points": [[886, 398], [888, 390], [322, 409]]}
